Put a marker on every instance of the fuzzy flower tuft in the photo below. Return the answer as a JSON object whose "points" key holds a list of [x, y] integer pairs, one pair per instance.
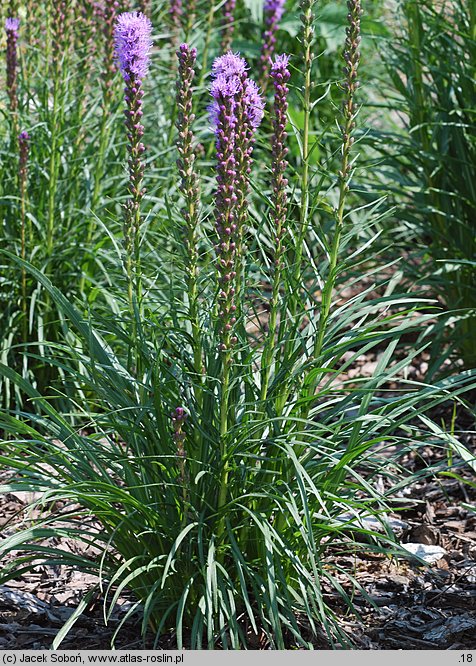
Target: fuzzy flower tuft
{"points": [[133, 42], [12, 25], [230, 64], [280, 64], [230, 79]]}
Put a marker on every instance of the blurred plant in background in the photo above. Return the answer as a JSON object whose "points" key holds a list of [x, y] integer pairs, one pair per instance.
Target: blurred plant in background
{"points": [[432, 65]]}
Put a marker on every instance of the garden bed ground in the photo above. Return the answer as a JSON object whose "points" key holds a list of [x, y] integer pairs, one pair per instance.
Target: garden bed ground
{"points": [[414, 607]]}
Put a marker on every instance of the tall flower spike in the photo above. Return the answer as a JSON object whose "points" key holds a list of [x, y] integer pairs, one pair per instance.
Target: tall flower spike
{"points": [[133, 42], [176, 14], [189, 180], [228, 24], [351, 57], [280, 76], [189, 187], [11, 27], [60, 22], [273, 12], [236, 111], [106, 13], [223, 117]]}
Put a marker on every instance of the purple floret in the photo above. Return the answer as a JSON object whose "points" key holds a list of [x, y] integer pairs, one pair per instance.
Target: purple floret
{"points": [[132, 36], [254, 104]]}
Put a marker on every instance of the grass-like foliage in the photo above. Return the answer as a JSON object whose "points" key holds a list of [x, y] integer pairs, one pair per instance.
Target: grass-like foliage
{"points": [[431, 65], [183, 407]]}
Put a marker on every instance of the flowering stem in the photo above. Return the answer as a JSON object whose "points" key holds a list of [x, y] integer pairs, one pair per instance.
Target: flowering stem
{"points": [[273, 11], [280, 76], [228, 24], [307, 18], [11, 28], [349, 110], [226, 227], [133, 42], [189, 188], [236, 112], [59, 50]]}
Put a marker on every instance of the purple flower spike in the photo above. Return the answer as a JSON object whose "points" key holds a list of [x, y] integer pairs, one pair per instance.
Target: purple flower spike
{"points": [[11, 27], [132, 35], [133, 42], [274, 8], [273, 12], [280, 76], [235, 113], [228, 24]]}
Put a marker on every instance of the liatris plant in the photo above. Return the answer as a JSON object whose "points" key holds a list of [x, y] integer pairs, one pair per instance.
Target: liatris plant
{"points": [[228, 24], [190, 191], [280, 76], [241, 558], [11, 27], [133, 42], [273, 11]]}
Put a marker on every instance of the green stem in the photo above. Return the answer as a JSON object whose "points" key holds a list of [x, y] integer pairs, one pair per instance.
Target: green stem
{"points": [[267, 355], [53, 175], [225, 389], [23, 256]]}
